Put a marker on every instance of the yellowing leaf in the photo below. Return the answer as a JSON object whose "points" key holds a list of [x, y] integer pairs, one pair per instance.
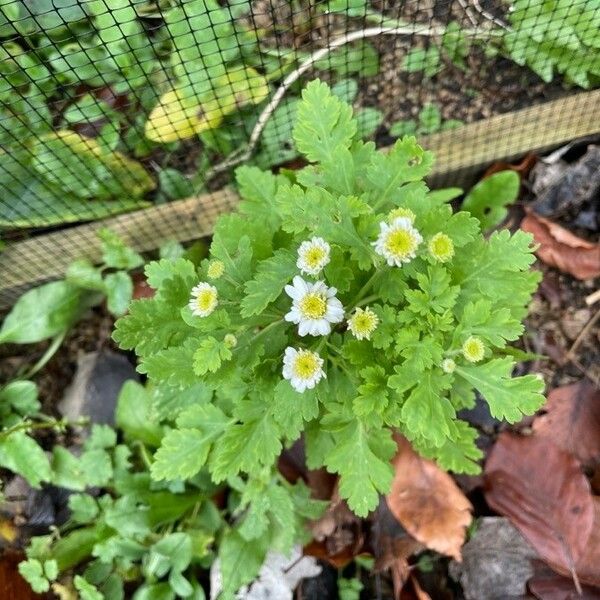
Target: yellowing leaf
{"points": [[181, 114], [79, 165]]}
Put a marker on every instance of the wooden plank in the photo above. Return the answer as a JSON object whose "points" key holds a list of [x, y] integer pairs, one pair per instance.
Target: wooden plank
{"points": [[459, 153]]}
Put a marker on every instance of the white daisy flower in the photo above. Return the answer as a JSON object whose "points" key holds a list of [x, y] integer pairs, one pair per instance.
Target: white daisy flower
{"points": [[204, 299], [363, 323], [314, 307], [313, 255], [473, 349], [302, 368], [398, 241]]}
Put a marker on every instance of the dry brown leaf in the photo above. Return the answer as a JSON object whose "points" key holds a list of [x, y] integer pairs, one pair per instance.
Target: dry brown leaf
{"points": [[522, 169], [428, 503], [572, 420], [548, 585], [338, 534], [588, 566], [420, 593], [561, 249], [12, 585], [542, 490]]}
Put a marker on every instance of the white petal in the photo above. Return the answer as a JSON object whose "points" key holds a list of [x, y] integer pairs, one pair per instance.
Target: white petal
{"points": [[304, 328]]}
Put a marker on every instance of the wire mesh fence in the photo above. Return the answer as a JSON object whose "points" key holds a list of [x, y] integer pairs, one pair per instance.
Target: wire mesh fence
{"points": [[112, 107]]}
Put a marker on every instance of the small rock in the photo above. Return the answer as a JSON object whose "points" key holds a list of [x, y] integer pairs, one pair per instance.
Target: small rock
{"points": [[496, 562], [96, 386], [277, 579]]}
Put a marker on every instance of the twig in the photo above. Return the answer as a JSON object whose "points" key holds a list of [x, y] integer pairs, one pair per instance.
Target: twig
{"points": [[467, 10], [582, 335], [593, 298], [489, 16], [244, 154]]}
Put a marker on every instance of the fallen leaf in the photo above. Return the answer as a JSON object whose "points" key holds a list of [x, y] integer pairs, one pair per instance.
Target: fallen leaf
{"points": [[572, 420], [542, 490], [392, 546], [12, 585], [338, 534], [418, 591], [588, 565], [428, 503], [561, 249], [548, 585], [522, 169], [496, 561]]}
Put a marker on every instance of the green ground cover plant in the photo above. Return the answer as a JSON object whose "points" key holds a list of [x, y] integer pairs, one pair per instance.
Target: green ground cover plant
{"points": [[342, 302]]}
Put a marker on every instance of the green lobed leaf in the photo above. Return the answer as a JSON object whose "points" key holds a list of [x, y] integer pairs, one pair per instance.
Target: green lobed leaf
{"points": [[361, 458], [324, 123], [509, 398], [267, 284]]}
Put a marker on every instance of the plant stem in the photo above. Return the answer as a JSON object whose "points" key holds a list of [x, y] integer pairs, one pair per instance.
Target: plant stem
{"points": [[50, 351], [27, 425]]}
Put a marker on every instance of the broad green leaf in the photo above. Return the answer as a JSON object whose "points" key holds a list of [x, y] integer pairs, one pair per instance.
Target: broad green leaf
{"points": [[44, 312], [31, 201], [119, 290], [488, 199], [133, 415], [21, 396], [22, 455]]}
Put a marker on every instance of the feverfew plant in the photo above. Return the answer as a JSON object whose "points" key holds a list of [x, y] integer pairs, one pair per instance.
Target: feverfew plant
{"points": [[341, 302]]}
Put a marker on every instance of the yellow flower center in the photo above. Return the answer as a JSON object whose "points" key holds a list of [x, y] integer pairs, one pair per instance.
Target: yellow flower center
{"points": [[215, 269], [205, 300], [400, 243], [441, 247], [313, 306], [363, 323], [473, 349], [314, 256], [306, 365]]}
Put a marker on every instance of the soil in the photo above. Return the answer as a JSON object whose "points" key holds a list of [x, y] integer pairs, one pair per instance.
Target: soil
{"points": [[91, 333]]}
